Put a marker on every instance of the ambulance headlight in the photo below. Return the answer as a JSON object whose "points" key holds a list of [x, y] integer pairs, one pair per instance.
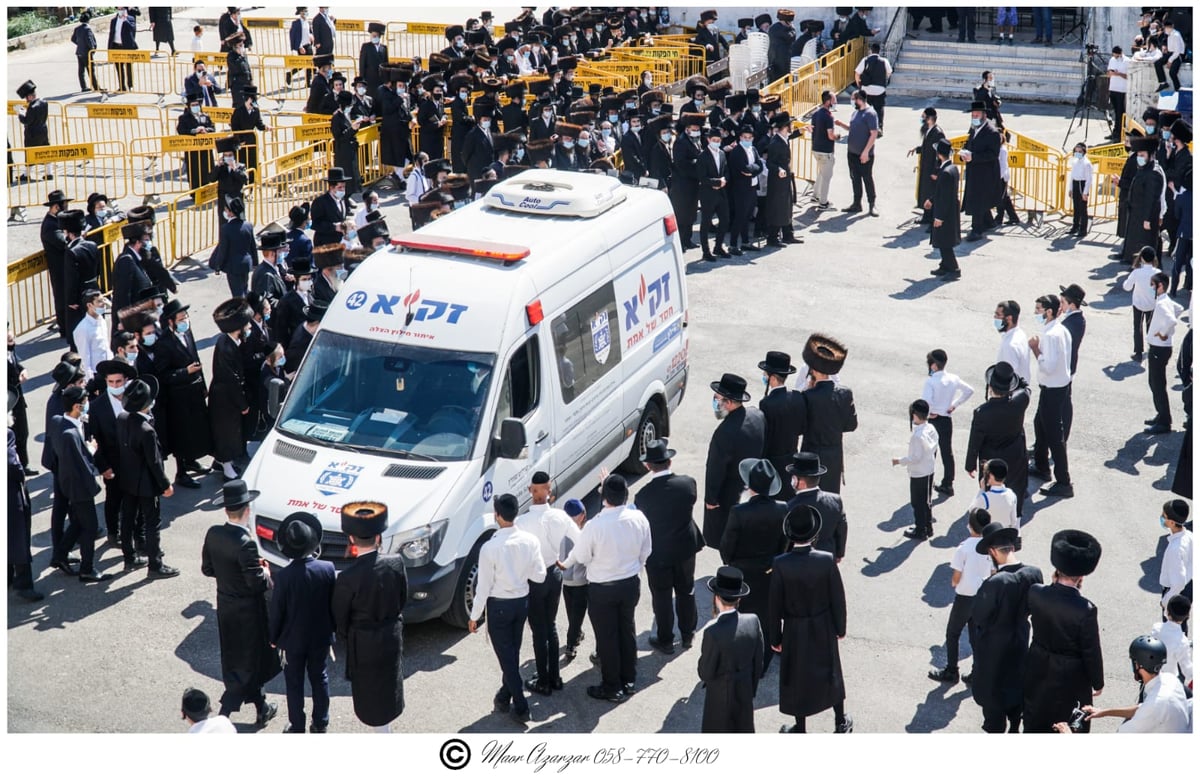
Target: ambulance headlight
{"points": [[419, 545]]}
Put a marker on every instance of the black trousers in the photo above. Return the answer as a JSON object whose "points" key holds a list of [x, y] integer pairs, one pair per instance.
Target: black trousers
{"points": [[878, 101], [1079, 221], [862, 176], [1048, 439], [945, 428], [1183, 261], [996, 719], [1141, 325], [1174, 72], [960, 616], [299, 663], [86, 73], [678, 582], [684, 200], [711, 206], [1117, 101], [233, 699], [1156, 372], [575, 600], [58, 523], [113, 498], [124, 76], [82, 530], [949, 261], [920, 496], [147, 508], [741, 207], [611, 606], [966, 24], [20, 429], [543, 611], [506, 623], [1068, 412], [1006, 208]]}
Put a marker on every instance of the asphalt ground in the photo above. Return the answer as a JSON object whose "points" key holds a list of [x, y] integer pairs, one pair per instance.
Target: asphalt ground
{"points": [[114, 657]]}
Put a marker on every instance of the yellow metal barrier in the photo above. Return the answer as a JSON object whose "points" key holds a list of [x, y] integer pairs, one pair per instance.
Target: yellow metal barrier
{"points": [[804, 166], [94, 122], [167, 175], [143, 72], [800, 90], [1038, 175], [289, 180], [30, 298], [415, 39], [55, 123], [370, 168], [271, 74], [271, 36], [78, 169], [1102, 203], [194, 219], [686, 60]]}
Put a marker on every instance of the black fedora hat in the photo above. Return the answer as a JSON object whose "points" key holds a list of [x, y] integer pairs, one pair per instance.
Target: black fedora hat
{"points": [[56, 197], [1074, 294], [364, 519], [64, 374], [657, 452], [140, 393], [759, 476], [116, 366], [1002, 378], [802, 524], [301, 266], [174, 307], [272, 238], [299, 535], [235, 494], [732, 387], [1074, 553], [805, 464], [728, 583], [777, 363], [336, 175], [315, 310], [996, 535]]}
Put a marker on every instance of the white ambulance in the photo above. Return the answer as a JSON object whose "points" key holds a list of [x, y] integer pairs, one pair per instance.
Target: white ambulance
{"points": [[542, 327]]}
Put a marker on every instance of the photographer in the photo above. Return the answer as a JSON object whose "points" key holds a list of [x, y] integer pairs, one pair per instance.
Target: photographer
{"points": [[1163, 706]]}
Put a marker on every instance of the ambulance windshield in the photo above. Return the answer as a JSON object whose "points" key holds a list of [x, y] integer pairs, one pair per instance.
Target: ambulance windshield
{"points": [[387, 397]]}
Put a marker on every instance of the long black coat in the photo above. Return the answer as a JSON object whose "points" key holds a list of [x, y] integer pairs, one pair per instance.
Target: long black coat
{"points": [[1128, 171], [632, 156], [945, 207], [1065, 663], [54, 243], [266, 281], [227, 399], [984, 188], [345, 149], [998, 431], [779, 50], [164, 27], [230, 555], [141, 467], [20, 508], [199, 164], [478, 152], [37, 133], [102, 424], [731, 663], [236, 252], [320, 94], [188, 433], [783, 412], [834, 527], [828, 413], [432, 139], [244, 122], [370, 57], [740, 435], [395, 134], [753, 538], [667, 503], [368, 604], [658, 163], [129, 277], [1145, 206], [806, 616], [1000, 636], [928, 165], [780, 193], [327, 214]]}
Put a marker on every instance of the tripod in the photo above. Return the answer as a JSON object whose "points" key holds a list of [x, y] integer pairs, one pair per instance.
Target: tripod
{"points": [[1087, 96], [1077, 33]]}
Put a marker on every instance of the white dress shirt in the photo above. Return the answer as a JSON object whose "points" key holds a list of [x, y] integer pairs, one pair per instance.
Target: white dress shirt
{"points": [[1005, 174], [1138, 281], [1164, 320], [973, 567], [614, 544], [1175, 45], [1014, 349], [922, 451], [91, 341], [214, 724], [1082, 170], [416, 185], [945, 392], [1118, 83], [1163, 709], [1176, 570], [550, 526], [1001, 503], [1054, 360], [1179, 649], [507, 563]]}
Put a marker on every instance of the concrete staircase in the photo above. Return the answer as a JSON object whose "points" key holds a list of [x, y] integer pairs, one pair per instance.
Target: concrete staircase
{"points": [[1023, 73]]}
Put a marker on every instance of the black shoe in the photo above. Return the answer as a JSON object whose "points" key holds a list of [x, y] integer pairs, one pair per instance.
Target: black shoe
{"points": [[967, 678], [721, 252], [852, 209], [787, 729], [945, 490], [290, 729], [266, 714], [946, 674], [735, 252], [915, 533], [30, 594], [823, 206], [686, 641], [1159, 428], [184, 481], [938, 272], [794, 240], [138, 562], [953, 274], [629, 688], [537, 686], [690, 246], [872, 211], [1150, 421], [319, 728], [499, 707], [974, 236], [93, 576], [163, 571], [556, 684], [31, 472], [774, 244], [599, 693], [1040, 474], [1058, 490], [1136, 357], [751, 247], [708, 257], [521, 716], [569, 654], [1013, 222], [667, 648], [846, 725], [1073, 231], [65, 567], [595, 658]]}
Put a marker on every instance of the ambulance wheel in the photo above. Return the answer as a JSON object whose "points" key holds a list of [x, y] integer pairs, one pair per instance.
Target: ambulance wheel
{"points": [[652, 426], [459, 613]]}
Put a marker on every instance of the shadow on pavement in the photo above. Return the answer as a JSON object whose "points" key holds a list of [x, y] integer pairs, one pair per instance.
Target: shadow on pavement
{"points": [[1151, 567], [938, 592], [939, 708]]}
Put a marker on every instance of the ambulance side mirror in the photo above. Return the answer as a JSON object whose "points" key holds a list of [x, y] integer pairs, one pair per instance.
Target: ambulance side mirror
{"points": [[512, 441], [274, 396]]}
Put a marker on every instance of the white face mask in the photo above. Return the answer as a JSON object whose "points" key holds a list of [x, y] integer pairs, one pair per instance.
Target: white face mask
{"points": [[485, 125], [305, 285], [361, 90]]}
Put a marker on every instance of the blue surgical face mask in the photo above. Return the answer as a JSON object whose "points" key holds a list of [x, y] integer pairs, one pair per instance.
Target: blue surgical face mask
{"points": [[1150, 129], [747, 144], [183, 326], [716, 404], [352, 235], [999, 324], [340, 273], [1078, 155], [116, 391], [282, 360], [606, 132], [568, 143], [131, 357], [1162, 521], [766, 380], [1166, 134], [612, 118], [976, 122], [196, 110], [1141, 161], [666, 137], [150, 339], [1041, 318]]}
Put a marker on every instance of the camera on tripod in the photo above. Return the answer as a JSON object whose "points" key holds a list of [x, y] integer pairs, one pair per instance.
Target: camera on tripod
{"points": [[1092, 49]]}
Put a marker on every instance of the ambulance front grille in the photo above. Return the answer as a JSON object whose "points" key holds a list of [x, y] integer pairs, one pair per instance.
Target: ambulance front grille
{"points": [[409, 472], [295, 452]]}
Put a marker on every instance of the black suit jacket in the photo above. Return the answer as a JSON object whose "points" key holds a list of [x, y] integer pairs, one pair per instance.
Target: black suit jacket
{"points": [[658, 163], [322, 32], [327, 213], [129, 277], [740, 435], [834, 527], [302, 605], [731, 662], [75, 473], [478, 152], [102, 422], [230, 555], [1075, 324], [142, 472], [266, 281], [685, 156], [667, 502], [319, 95], [1065, 662], [743, 173], [707, 170], [998, 431], [783, 410], [236, 252], [632, 155], [369, 60], [754, 535]]}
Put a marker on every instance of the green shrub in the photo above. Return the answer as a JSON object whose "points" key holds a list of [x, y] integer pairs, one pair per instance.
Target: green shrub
{"points": [[29, 22]]}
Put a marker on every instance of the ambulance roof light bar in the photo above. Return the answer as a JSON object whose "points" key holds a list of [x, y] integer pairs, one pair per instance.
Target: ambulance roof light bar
{"points": [[479, 249]]}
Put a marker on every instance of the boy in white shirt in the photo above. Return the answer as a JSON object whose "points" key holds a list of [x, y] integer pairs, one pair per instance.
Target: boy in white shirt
{"points": [[1171, 633], [944, 392], [1175, 574], [996, 497], [1081, 188], [920, 460], [197, 38], [1145, 266], [970, 569]]}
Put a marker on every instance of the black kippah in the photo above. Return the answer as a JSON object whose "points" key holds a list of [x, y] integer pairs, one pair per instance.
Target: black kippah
{"points": [[541, 478]]}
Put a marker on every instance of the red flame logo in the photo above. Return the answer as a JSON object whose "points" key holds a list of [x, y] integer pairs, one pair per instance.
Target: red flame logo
{"points": [[642, 290], [412, 298]]}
